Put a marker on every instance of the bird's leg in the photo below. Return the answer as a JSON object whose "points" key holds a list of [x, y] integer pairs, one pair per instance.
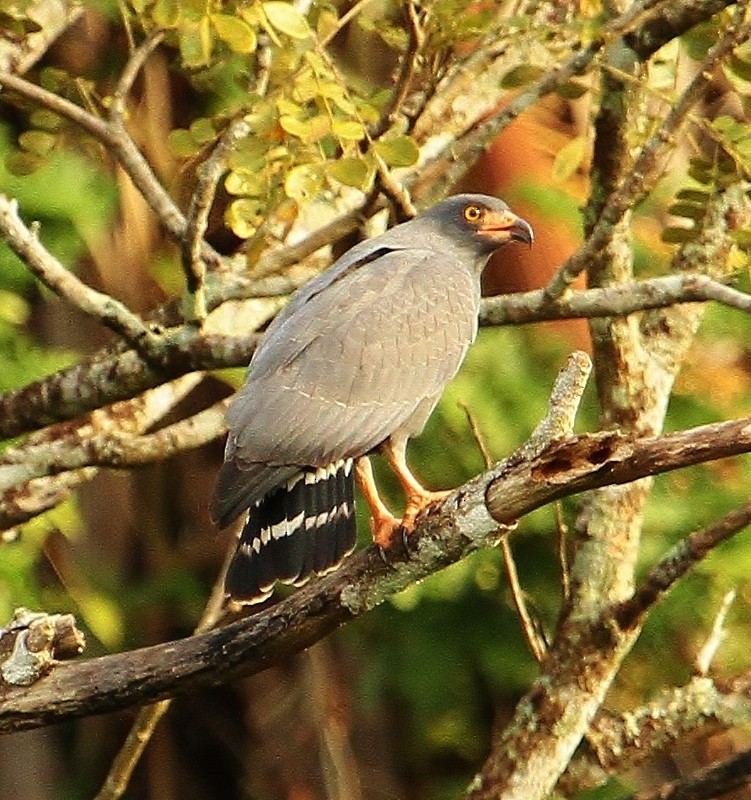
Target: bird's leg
{"points": [[418, 497], [383, 523]]}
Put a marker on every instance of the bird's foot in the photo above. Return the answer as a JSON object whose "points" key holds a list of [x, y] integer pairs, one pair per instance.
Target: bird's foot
{"points": [[385, 529], [417, 502], [388, 529]]}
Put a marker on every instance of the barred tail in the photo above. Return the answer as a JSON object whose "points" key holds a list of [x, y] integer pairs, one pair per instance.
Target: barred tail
{"points": [[304, 527]]}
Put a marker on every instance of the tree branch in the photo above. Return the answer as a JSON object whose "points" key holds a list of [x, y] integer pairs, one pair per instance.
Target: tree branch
{"points": [[467, 520], [103, 308], [646, 170]]}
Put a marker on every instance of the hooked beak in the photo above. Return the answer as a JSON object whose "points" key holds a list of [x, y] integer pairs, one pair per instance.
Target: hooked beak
{"points": [[505, 226]]}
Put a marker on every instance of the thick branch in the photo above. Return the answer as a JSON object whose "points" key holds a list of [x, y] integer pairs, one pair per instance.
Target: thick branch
{"points": [[466, 520], [112, 375]]}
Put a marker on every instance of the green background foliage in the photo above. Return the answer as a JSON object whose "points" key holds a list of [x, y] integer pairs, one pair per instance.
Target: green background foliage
{"points": [[133, 555]]}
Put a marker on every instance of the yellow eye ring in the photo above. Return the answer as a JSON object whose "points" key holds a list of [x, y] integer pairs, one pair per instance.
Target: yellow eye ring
{"points": [[472, 213]]}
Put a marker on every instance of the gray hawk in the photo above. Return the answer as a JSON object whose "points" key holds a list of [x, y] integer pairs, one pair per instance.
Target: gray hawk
{"points": [[356, 361]]}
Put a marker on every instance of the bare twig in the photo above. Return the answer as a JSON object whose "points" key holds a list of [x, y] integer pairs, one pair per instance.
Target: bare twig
{"points": [[704, 784], [130, 73], [344, 20], [679, 560], [531, 628], [110, 312], [114, 137], [20, 53], [407, 70], [646, 169], [209, 174], [622, 741], [114, 375], [95, 445], [148, 717], [707, 653], [648, 23]]}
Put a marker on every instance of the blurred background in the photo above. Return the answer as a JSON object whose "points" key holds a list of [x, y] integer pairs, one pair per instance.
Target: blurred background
{"points": [[404, 701]]}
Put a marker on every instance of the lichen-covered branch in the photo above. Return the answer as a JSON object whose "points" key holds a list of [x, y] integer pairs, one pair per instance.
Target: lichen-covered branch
{"points": [[466, 520]]}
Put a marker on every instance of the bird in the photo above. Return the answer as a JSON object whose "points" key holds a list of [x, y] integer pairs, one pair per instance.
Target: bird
{"points": [[353, 364]]}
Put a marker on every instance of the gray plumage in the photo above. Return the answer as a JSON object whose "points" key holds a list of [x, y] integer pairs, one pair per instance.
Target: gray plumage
{"points": [[359, 355]]}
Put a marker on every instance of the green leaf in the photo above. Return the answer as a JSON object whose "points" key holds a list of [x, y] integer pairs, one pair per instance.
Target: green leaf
{"points": [[288, 108], [238, 35], [202, 130], [304, 182], [569, 158], [739, 67], [688, 210], [398, 151], [195, 43], [166, 13], [245, 182], [693, 196], [348, 129], [572, 90], [351, 172], [521, 76], [181, 143], [336, 93], [287, 19], [300, 128], [243, 217], [678, 235], [22, 162], [38, 142]]}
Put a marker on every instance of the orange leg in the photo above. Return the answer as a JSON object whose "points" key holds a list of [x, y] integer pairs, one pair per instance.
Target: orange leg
{"points": [[418, 497], [383, 523]]}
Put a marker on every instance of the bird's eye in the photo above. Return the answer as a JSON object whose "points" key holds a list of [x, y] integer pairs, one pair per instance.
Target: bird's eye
{"points": [[472, 213]]}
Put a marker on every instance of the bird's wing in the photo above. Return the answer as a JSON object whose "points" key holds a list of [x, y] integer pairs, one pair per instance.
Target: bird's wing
{"points": [[354, 360]]}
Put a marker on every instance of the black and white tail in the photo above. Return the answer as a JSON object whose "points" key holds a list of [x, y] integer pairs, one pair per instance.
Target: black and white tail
{"points": [[304, 527]]}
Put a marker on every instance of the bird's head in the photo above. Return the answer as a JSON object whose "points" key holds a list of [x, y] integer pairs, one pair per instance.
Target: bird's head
{"points": [[480, 222]]}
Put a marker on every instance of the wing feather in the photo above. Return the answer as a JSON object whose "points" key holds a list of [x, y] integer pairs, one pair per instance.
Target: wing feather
{"points": [[356, 360]]}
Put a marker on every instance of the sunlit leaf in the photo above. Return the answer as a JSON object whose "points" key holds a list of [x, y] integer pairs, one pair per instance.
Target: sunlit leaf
{"points": [[166, 13], [351, 172], [335, 92], [296, 127], [304, 182], [245, 182], [348, 129], [398, 151], [243, 217], [288, 108], [327, 24], [287, 19], [569, 158], [237, 34]]}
